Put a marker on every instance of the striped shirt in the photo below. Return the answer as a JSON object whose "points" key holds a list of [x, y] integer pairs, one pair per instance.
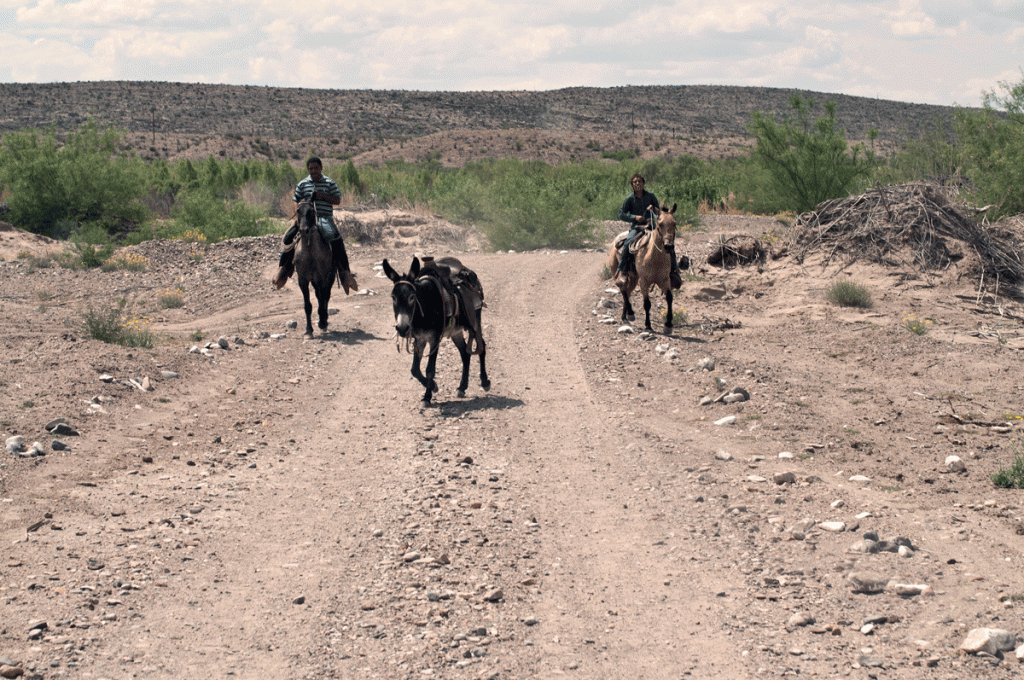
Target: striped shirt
{"points": [[326, 185]]}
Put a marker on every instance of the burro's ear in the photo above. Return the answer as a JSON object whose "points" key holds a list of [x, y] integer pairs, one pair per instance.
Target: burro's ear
{"points": [[389, 272], [414, 268]]}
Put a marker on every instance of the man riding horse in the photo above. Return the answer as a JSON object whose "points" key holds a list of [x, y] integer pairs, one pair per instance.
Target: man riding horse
{"points": [[634, 210], [325, 194]]}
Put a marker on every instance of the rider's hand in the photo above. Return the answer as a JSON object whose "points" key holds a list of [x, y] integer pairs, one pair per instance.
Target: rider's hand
{"points": [[316, 196]]}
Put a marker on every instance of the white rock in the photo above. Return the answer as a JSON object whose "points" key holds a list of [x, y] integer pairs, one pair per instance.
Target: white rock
{"points": [[910, 589], [786, 455], [904, 551], [723, 455], [955, 464], [728, 420], [837, 504], [860, 478], [988, 640], [706, 364], [833, 526], [625, 329]]}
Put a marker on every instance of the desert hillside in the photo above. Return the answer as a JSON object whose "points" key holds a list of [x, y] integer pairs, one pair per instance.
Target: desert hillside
{"points": [[182, 120]]}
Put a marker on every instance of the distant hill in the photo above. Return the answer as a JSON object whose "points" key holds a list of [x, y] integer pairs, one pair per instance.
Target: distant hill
{"points": [[181, 120]]}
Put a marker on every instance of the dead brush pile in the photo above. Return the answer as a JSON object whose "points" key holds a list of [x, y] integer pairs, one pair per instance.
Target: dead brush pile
{"points": [[917, 228]]}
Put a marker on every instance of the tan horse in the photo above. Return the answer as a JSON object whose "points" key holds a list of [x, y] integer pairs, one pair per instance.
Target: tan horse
{"points": [[653, 266]]}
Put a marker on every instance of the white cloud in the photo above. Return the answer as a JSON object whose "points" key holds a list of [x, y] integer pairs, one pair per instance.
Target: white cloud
{"points": [[911, 50]]}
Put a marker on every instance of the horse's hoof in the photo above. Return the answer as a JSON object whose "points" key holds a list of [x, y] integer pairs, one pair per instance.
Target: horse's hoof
{"points": [[486, 386], [307, 336], [461, 394], [322, 326], [631, 318]]}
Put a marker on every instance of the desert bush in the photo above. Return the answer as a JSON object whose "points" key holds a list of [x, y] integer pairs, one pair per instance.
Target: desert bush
{"points": [[915, 325], [111, 325], [171, 298], [131, 262], [807, 161], [1011, 477], [993, 146], [84, 181], [216, 220], [846, 293]]}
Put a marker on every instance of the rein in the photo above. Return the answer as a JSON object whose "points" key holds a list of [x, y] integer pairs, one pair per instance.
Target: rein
{"points": [[408, 339]]}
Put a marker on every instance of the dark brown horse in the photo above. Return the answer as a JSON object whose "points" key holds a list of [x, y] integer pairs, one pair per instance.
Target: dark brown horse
{"points": [[429, 307], [313, 265], [653, 266]]}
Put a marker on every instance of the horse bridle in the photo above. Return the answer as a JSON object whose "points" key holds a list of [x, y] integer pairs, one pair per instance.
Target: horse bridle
{"points": [[414, 295]]}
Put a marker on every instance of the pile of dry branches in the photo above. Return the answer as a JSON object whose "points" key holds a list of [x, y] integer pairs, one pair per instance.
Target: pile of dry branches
{"points": [[916, 226]]}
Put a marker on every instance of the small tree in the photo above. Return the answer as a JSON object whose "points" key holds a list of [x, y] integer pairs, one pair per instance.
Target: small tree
{"points": [[83, 182], [993, 144], [807, 162]]}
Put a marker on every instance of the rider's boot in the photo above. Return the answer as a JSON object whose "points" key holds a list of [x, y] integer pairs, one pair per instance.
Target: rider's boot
{"points": [[285, 266], [348, 282]]}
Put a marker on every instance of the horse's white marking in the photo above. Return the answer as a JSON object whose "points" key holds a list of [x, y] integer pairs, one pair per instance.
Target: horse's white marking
{"points": [[403, 320]]}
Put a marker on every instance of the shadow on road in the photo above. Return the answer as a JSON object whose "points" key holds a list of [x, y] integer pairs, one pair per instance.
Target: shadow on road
{"points": [[353, 337], [480, 403]]}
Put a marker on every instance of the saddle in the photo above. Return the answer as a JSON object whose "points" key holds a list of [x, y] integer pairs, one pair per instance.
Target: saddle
{"points": [[459, 286], [638, 244]]}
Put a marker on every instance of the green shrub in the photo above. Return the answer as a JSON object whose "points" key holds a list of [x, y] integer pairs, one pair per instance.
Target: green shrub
{"points": [[993, 145], [85, 181], [1013, 476], [172, 298], [846, 293], [214, 219], [89, 256], [112, 326], [807, 162], [915, 325]]}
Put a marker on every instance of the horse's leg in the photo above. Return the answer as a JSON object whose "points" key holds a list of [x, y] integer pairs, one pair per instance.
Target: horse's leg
{"points": [[647, 312], [323, 296], [307, 306], [628, 315], [460, 343], [668, 304]]}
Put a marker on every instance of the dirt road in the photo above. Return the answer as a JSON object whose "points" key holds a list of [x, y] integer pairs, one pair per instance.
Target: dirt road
{"points": [[286, 508]]}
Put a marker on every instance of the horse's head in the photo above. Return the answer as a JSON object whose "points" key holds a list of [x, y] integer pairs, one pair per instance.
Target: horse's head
{"points": [[403, 296], [305, 217], [667, 224]]}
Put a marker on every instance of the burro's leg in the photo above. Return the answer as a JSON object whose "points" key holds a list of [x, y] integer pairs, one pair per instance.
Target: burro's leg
{"points": [[485, 382], [426, 380], [460, 342]]}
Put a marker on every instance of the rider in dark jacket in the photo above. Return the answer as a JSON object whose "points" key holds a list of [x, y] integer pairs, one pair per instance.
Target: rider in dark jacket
{"points": [[634, 210]]}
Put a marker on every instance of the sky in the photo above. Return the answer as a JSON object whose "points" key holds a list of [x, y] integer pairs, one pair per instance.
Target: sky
{"points": [[947, 52]]}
